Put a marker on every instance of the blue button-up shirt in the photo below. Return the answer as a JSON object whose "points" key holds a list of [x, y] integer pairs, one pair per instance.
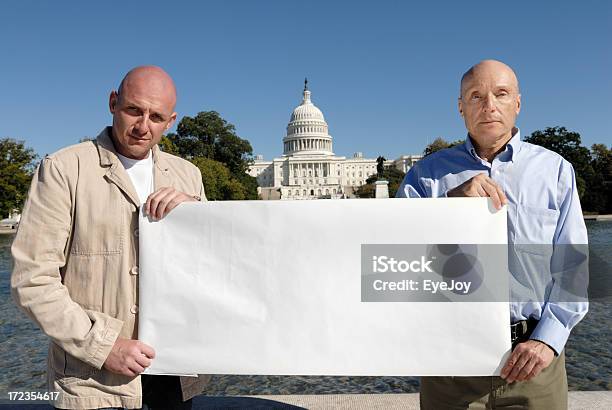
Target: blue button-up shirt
{"points": [[543, 211]]}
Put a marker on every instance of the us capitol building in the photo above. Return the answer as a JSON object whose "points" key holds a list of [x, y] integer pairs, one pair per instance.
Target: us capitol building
{"points": [[309, 169]]}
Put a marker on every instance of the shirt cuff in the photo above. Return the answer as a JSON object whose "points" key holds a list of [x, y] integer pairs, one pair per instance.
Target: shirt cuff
{"points": [[551, 332]]}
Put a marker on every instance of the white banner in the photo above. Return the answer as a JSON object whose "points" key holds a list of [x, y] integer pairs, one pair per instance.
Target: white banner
{"points": [[274, 288]]}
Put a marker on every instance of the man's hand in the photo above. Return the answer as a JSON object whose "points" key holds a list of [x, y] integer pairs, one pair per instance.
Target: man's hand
{"points": [[129, 357], [481, 185], [527, 361], [164, 200]]}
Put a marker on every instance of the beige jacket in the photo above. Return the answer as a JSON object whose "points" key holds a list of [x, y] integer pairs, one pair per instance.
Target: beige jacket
{"points": [[76, 266]]}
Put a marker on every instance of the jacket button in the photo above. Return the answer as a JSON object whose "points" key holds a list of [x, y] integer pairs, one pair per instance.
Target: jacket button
{"points": [[134, 309], [134, 270], [136, 232]]}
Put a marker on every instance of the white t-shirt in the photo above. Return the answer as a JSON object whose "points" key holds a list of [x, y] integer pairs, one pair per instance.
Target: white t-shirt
{"points": [[141, 174]]}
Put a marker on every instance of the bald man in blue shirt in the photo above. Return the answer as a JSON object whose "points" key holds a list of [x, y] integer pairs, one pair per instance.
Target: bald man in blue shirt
{"points": [[539, 188]]}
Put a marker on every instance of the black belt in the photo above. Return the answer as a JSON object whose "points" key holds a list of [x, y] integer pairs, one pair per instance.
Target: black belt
{"points": [[521, 330]]}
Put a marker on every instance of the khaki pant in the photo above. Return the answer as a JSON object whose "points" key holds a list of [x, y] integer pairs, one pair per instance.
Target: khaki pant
{"points": [[548, 391]]}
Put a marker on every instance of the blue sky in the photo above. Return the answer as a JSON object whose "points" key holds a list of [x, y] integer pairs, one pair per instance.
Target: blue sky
{"points": [[384, 73]]}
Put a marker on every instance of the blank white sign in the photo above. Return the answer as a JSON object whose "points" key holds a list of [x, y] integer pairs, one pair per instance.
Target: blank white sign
{"points": [[273, 288]]}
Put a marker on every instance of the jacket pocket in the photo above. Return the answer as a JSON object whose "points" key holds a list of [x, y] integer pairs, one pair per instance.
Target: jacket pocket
{"points": [[99, 224]]}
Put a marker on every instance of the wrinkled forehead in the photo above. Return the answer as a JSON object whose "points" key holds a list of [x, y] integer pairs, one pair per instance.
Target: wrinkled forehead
{"points": [[153, 94], [488, 79]]}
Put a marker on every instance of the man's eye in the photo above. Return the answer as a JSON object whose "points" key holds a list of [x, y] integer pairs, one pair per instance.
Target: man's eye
{"points": [[156, 118], [475, 97], [502, 94], [132, 110]]}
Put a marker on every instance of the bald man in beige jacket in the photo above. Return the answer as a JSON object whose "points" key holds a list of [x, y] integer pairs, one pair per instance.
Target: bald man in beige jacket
{"points": [[76, 251]]}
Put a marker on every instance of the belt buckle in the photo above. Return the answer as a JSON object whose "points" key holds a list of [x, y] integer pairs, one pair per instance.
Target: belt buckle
{"points": [[517, 330], [513, 335]]}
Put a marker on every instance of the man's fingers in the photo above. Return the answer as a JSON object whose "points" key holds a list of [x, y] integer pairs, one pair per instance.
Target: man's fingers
{"points": [[147, 350], [535, 371], [491, 190], [154, 201], [165, 205], [526, 370], [510, 364], [136, 368], [480, 190], [514, 357], [143, 361], [171, 205], [517, 368], [130, 373], [500, 193]]}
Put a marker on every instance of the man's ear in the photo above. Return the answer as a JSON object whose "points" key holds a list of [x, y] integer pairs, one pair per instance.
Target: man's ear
{"points": [[518, 104], [460, 106], [171, 122], [112, 101]]}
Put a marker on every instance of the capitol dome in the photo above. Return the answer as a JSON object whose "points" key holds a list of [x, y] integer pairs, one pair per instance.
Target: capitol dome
{"points": [[307, 131], [307, 110]]}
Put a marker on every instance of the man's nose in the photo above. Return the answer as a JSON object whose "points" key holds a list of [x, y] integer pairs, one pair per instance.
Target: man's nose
{"points": [[489, 102], [142, 125]]}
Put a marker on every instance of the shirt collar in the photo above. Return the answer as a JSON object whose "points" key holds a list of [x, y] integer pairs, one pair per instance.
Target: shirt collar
{"points": [[508, 154], [108, 153]]}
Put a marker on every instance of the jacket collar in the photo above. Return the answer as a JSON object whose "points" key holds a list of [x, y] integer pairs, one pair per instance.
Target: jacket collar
{"points": [[108, 153], [117, 174]]}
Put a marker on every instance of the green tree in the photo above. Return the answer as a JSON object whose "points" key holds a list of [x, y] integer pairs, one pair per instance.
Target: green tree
{"points": [[568, 145], [219, 184], [439, 144], [16, 166], [390, 173], [166, 145], [208, 135], [601, 186]]}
